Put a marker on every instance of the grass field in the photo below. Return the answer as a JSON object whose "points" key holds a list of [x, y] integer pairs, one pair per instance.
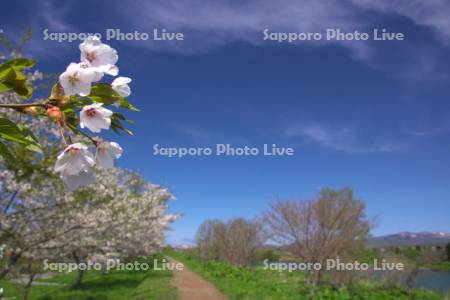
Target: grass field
{"points": [[256, 283], [115, 285], [443, 266]]}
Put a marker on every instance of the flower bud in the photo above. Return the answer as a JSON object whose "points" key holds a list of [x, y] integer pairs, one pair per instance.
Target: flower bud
{"points": [[62, 101], [56, 114], [32, 110]]}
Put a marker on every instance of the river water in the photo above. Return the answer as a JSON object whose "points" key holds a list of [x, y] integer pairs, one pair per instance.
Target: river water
{"points": [[439, 280]]}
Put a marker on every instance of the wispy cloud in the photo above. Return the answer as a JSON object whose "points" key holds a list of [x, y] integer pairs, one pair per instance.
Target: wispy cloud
{"points": [[195, 134], [202, 136], [52, 14], [47, 14], [432, 13], [345, 139], [211, 24], [437, 126]]}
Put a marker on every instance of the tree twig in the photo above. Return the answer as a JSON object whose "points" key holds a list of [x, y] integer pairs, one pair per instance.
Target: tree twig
{"points": [[24, 105]]}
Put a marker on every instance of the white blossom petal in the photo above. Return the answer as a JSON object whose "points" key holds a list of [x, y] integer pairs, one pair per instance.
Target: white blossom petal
{"points": [[95, 117], [74, 182], [77, 79], [120, 85], [99, 55], [106, 153], [74, 159]]}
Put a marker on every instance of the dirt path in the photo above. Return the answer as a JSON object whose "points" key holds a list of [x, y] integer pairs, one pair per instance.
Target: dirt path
{"points": [[191, 286]]}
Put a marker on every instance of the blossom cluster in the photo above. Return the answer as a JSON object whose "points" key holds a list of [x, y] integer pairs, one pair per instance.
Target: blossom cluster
{"points": [[75, 163], [112, 222]]}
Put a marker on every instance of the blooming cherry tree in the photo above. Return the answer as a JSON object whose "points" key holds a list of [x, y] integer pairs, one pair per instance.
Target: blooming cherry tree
{"points": [[122, 216]]}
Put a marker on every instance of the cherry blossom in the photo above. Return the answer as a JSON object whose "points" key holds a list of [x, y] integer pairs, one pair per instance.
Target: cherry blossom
{"points": [[77, 79], [106, 153], [122, 216], [98, 74], [74, 182], [95, 117], [73, 160], [98, 55], [120, 85]]}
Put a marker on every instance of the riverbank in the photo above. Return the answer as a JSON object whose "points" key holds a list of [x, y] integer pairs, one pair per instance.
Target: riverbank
{"points": [[445, 266], [238, 282]]}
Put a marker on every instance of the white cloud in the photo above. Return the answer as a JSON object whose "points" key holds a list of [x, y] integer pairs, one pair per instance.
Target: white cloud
{"points": [[202, 136], [344, 139], [432, 13], [44, 14], [428, 126], [211, 24], [53, 15]]}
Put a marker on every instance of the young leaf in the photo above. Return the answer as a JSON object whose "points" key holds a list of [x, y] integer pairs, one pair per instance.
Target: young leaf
{"points": [[103, 93], [19, 63], [18, 134], [5, 152], [116, 124], [33, 144], [123, 102], [12, 79]]}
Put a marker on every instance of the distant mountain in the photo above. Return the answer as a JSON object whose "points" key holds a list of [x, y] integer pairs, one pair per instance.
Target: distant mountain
{"points": [[411, 239]]}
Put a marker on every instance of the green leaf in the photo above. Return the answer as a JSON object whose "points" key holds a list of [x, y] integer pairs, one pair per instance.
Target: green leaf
{"points": [[70, 114], [12, 79], [20, 87], [18, 134], [18, 64], [5, 152], [33, 141], [103, 93], [9, 131], [8, 74], [123, 102], [116, 125], [122, 117]]}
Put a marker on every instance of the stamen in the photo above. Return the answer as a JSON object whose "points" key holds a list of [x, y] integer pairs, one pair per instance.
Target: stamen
{"points": [[73, 150], [91, 112], [90, 56], [73, 80]]}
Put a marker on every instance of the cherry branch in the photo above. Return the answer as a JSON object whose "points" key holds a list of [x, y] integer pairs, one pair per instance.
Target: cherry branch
{"points": [[25, 105], [76, 130]]}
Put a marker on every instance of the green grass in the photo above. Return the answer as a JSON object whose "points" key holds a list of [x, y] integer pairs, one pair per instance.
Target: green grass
{"points": [[443, 266], [115, 285], [256, 283]]}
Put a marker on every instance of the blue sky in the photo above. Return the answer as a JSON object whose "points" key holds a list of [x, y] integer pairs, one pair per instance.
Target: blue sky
{"points": [[373, 115]]}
